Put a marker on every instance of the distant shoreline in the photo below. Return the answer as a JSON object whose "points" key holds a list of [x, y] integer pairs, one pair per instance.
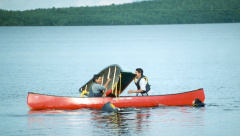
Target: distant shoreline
{"points": [[118, 25], [156, 12]]}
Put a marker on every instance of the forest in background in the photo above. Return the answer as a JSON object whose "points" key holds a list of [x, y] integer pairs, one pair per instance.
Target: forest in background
{"points": [[149, 12]]}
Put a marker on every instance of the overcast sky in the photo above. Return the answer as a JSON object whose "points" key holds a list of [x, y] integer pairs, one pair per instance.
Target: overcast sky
{"points": [[34, 4]]}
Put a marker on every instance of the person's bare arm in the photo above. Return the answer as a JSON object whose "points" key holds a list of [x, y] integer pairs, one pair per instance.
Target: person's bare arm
{"points": [[137, 91], [106, 84]]}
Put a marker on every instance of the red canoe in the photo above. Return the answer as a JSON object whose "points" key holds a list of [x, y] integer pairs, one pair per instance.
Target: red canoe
{"points": [[40, 101]]}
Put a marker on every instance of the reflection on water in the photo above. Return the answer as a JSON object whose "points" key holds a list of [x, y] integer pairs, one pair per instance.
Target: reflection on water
{"points": [[121, 123], [137, 121], [111, 123]]}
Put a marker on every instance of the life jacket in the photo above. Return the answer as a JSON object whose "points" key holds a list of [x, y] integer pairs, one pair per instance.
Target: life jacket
{"points": [[138, 86], [109, 107], [198, 105], [91, 93]]}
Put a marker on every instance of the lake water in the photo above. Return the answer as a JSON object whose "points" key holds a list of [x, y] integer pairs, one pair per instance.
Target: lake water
{"points": [[175, 58]]}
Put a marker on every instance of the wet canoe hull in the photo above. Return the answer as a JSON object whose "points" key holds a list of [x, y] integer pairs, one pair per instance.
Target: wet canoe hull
{"points": [[40, 101]]}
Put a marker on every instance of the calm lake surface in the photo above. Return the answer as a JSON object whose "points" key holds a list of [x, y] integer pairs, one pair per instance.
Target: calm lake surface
{"points": [[175, 58]]}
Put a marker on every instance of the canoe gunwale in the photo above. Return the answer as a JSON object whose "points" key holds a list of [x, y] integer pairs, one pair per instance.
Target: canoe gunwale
{"points": [[119, 97]]}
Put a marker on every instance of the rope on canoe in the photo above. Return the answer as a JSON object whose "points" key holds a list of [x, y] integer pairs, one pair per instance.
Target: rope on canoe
{"points": [[114, 87], [84, 92]]}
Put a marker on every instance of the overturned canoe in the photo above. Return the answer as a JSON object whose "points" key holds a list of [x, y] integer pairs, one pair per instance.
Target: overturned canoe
{"points": [[40, 101], [120, 80]]}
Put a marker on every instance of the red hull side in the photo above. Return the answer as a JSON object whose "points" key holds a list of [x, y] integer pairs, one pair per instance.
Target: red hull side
{"points": [[39, 101]]}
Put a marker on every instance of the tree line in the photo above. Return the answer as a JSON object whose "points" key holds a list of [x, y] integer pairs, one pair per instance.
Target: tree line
{"points": [[136, 13]]}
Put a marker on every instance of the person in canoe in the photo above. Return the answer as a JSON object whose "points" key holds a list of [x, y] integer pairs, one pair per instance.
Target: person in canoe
{"points": [[141, 82], [96, 89]]}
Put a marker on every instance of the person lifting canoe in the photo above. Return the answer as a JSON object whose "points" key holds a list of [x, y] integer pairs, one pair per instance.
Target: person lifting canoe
{"points": [[96, 89]]}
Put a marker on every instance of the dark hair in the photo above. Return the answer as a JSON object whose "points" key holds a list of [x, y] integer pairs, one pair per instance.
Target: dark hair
{"points": [[139, 70], [95, 77], [198, 101]]}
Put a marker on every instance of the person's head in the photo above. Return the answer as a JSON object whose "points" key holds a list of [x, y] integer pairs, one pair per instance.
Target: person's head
{"points": [[97, 78], [139, 72], [196, 101]]}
